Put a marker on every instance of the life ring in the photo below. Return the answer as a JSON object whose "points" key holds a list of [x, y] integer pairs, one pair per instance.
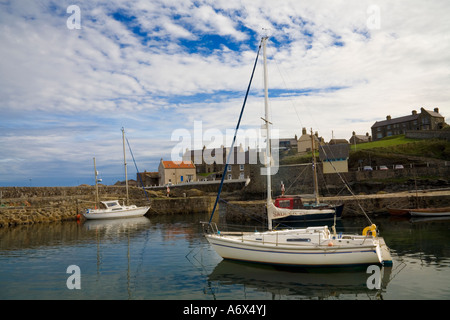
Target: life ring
{"points": [[372, 229]]}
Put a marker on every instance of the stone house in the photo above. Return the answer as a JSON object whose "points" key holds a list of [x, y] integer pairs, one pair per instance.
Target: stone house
{"points": [[359, 138], [425, 120], [304, 142], [288, 143], [174, 172], [210, 163], [148, 178]]}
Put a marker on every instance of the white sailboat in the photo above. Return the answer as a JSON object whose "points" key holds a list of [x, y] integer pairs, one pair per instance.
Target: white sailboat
{"points": [[313, 246], [112, 209]]}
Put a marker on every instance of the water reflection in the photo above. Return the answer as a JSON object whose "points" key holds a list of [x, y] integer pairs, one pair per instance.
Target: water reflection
{"points": [[117, 227], [167, 257], [282, 283]]}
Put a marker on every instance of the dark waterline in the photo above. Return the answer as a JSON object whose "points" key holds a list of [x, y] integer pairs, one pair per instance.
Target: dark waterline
{"points": [[167, 257]]}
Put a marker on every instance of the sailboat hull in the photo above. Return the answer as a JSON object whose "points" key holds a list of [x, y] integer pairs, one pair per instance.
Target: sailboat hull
{"points": [[292, 255], [306, 215], [119, 214]]}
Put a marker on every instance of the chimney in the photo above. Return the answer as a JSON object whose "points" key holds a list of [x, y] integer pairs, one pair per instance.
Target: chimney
{"points": [[304, 131], [414, 112], [436, 110], [388, 117]]}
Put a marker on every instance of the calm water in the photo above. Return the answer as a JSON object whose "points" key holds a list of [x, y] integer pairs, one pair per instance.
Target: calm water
{"points": [[168, 258]]}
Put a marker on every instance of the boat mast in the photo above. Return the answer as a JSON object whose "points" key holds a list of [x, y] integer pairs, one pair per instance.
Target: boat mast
{"points": [[316, 186], [267, 122], [96, 184], [125, 162]]}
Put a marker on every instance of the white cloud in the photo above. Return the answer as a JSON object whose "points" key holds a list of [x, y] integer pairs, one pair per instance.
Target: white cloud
{"points": [[146, 65]]}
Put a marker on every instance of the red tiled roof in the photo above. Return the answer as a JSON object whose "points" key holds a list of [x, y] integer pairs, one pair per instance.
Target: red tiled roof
{"points": [[178, 165]]}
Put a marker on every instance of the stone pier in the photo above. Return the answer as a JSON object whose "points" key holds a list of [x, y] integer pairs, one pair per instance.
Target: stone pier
{"points": [[371, 204], [28, 205]]}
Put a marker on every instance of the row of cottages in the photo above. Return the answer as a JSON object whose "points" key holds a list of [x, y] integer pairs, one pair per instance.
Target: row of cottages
{"points": [[210, 163], [425, 120]]}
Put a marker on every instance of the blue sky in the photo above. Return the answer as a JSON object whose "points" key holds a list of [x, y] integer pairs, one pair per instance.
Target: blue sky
{"points": [[153, 67]]}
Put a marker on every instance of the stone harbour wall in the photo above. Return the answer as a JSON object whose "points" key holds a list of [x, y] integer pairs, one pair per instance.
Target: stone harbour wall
{"points": [[244, 211], [29, 205]]}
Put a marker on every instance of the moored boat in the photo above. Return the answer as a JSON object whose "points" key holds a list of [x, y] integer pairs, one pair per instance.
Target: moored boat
{"points": [[431, 212], [310, 247], [289, 210], [398, 211], [114, 210]]}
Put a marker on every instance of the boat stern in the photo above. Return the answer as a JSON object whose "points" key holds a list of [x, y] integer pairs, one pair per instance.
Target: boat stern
{"points": [[386, 258]]}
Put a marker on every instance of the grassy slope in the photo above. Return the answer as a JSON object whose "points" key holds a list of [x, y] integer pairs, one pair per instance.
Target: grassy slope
{"points": [[398, 149], [390, 150]]}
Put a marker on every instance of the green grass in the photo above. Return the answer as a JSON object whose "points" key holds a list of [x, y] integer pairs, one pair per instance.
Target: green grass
{"points": [[399, 145], [384, 143], [387, 148]]}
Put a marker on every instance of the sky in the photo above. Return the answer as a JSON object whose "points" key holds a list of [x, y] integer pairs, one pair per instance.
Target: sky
{"points": [[173, 73]]}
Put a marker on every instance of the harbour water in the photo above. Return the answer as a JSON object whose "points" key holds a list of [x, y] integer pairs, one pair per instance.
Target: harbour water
{"points": [[167, 258]]}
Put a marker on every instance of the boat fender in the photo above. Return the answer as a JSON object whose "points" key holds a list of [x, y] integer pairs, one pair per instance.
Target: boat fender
{"points": [[372, 229], [330, 244]]}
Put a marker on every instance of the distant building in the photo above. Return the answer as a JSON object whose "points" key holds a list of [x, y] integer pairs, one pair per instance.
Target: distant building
{"points": [[147, 178], [304, 142], [334, 157], [174, 172], [337, 141], [288, 143], [425, 120], [359, 138], [210, 163]]}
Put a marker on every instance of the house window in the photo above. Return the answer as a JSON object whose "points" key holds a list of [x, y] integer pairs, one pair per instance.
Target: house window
{"points": [[241, 167], [241, 175], [229, 177], [229, 168]]}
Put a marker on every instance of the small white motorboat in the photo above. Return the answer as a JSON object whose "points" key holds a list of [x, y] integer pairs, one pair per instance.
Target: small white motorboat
{"points": [[114, 210]]}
